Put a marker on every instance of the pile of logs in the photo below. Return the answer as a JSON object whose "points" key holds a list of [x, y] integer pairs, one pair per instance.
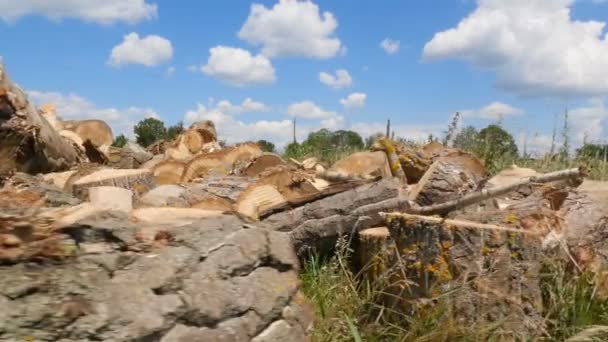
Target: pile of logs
{"points": [[430, 220]]}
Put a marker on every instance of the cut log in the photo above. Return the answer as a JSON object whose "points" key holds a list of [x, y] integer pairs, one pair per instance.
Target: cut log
{"points": [[150, 164], [222, 162], [158, 147], [28, 142], [212, 202], [161, 196], [139, 153], [259, 201], [445, 180], [170, 216], [49, 112], [316, 226], [97, 131], [489, 193], [178, 152], [295, 187], [206, 129], [111, 198], [138, 181], [363, 164], [262, 163], [192, 139], [168, 172], [82, 171], [388, 147]]}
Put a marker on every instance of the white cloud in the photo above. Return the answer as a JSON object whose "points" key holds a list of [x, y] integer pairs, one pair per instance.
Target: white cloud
{"points": [[536, 145], [248, 105], [589, 122], [104, 12], [333, 123], [534, 46], [149, 51], [354, 100], [342, 79], [390, 46], [234, 131], [407, 131], [170, 71], [238, 67], [74, 107], [292, 28], [493, 111], [309, 110]]}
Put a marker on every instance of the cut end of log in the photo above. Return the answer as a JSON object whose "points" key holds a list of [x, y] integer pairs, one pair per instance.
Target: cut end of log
{"points": [[260, 200], [137, 180], [375, 233], [262, 163], [168, 172]]}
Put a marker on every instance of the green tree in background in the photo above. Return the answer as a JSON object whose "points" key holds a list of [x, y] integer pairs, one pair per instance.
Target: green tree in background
{"points": [[266, 146], [175, 130], [149, 130], [496, 145], [592, 151], [326, 145], [120, 141], [467, 139]]}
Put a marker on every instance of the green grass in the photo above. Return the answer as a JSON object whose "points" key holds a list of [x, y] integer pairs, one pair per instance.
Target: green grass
{"points": [[348, 309]]}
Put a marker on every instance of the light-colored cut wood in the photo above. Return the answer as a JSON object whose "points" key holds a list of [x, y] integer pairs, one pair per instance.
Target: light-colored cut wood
{"points": [[168, 172], [260, 200], [137, 180]]}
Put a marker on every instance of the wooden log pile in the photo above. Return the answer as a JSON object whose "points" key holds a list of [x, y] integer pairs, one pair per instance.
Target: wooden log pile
{"points": [[429, 220]]}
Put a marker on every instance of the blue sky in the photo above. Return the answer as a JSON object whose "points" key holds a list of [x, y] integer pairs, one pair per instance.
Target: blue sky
{"points": [[253, 66]]}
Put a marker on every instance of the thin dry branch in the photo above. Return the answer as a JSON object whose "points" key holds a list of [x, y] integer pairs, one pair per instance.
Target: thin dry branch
{"points": [[486, 194], [448, 223]]}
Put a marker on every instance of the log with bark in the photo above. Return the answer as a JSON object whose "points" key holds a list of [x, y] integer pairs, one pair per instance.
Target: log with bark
{"points": [[488, 193], [447, 179], [28, 142], [137, 180], [315, 227], [206, 129], [482, 273]]}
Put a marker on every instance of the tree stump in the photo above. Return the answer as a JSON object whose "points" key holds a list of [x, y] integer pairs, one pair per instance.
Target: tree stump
{"points": [[483, 275]]}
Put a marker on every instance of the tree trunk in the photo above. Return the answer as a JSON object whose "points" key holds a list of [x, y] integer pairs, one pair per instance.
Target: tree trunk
{"points": [[28, 142], [483, 273]]}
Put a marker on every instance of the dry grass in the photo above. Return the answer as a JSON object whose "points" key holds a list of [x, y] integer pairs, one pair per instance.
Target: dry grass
{"points": [[348, 308]]}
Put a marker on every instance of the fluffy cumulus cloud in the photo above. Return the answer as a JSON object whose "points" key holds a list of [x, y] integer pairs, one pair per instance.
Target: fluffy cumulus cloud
{"points": [[238, 67], [234, 130], [248, 105], [292, 28], [74, 107], [149, 51], [104, 12], [341, 79], [309, 110], [589, 122], [390, 46], [492, 111], [534, 46], [354, 100]]}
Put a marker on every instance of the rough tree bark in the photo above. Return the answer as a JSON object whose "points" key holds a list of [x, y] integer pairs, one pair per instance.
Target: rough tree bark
{"points": [[29, 143]]}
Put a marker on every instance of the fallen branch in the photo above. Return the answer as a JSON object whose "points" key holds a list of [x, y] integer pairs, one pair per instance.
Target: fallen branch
{"points": [[486, 194], [447, 223]]}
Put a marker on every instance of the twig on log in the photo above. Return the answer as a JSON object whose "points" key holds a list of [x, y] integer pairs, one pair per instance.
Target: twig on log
{"points": [[485, 194], [454, 223]]}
